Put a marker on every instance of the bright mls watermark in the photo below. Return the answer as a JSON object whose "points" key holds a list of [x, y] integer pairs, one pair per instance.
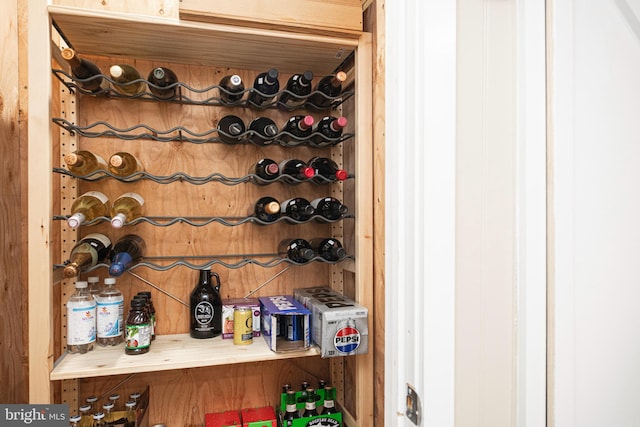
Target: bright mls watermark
{"points": [[34, 415]]}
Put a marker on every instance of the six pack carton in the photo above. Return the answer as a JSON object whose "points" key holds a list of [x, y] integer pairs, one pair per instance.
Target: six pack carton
{"points": [[338, 324], [223, 419], [285, 323], [228, 306], [259, 417]]}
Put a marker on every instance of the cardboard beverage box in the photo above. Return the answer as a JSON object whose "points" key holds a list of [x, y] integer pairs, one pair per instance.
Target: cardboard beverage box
{"points": [[285, 323], [228, 306], [223, 419], [259, 417], [338, 324]]}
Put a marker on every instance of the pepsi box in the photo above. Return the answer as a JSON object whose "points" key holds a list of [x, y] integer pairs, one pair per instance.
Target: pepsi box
{"points": [[338, 324], [285, 323]]}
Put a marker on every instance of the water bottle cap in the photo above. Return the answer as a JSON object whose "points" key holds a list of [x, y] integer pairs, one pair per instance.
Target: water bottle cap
{"points": [[93, 279], [81, 284], [110, 281]]}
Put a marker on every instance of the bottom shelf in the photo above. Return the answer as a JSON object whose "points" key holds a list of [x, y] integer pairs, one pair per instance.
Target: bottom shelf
{"points": [[168, 352]]}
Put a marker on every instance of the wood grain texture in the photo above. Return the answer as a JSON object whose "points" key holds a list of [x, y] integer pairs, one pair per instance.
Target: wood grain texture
{"points": [[157, 8], [12, 274], [158, 39], [308, 16]]}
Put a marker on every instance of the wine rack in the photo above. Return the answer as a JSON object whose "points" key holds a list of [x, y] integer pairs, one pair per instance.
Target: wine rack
{"points": [[177, 366], [194, 96]]}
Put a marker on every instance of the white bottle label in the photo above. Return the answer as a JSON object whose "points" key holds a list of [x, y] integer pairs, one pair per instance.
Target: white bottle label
{"points": [[110, 312], [98, 195], [81, 322], [135, 196]]}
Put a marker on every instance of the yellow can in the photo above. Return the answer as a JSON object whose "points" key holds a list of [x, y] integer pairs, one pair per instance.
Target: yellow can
{"points": [[242, 325]]}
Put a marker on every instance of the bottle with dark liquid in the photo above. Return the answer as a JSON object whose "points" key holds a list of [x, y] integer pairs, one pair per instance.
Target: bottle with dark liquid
{"points": [[296, 129], [297, 250], [296, 92], [327, 89], [297, 208], [265, 88], [205, 307], [89, 251], [266, 170], [230, 129], [329, 406], [310, 409], [263, 131], [267, 209], [328, 248], [152, 311], [83, 69], [137, 329], [329, 208], [327, 131], [326, 170], [296, 169], [163, 82], [231, 89], [127, 250]]}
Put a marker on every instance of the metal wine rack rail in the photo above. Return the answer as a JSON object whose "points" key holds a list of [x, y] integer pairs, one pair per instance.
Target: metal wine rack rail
{"points": [[229, 221], [196, 180], [246, 259], [181, 133], [185, 93]]}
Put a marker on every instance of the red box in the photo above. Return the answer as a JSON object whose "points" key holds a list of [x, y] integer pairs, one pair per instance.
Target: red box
{"points": [[259, 417], [223, 419]]}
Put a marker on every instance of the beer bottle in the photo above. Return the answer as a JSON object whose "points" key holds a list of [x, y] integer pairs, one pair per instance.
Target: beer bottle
{"points": [[291, 408], [329, 406], [310, 405]]}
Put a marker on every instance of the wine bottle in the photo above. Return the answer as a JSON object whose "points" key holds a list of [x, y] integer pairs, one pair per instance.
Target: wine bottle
{"points": [[89, 251], [83, 69], [327, 131], [297, 89], [123, 164], [329, 208], [326, 170], [328, 248], [266, 170], [295, 171], [87, 207], [128, 249], [265, 88], [328, 88], [82, 162], [126, 208], [267, 209], [296, 129], [205, 307], [297, 208], [125, 75], [231, 89], [81, 318], [230, 129], [163, 82], [297, 250], [263, 131]]}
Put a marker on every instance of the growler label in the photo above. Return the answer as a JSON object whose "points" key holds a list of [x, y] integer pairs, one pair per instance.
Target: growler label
{"points": [[204, 313]]}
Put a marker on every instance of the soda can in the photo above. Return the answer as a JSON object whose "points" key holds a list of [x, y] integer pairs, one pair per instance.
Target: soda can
{"points": [[242, 325]]}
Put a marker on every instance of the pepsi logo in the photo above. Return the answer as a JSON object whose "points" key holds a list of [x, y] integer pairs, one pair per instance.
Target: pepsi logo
{"points": [[347, 339]]}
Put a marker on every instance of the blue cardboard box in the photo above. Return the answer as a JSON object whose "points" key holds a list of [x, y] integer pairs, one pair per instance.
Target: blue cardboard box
{"points": [[285, 323]]}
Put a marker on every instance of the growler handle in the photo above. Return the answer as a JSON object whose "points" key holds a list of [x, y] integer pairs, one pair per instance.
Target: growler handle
{"points": [[217, 287]]}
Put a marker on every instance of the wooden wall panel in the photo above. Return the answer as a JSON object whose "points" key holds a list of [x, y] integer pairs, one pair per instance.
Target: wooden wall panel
{"points": [[12, 274]]}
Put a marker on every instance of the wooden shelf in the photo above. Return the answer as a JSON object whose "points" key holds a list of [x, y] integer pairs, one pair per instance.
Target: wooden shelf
{"points": [[160, 39], [168, 352]]}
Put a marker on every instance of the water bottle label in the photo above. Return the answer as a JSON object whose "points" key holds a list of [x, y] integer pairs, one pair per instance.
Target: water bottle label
{"points": [[109, 318], [81, 326]]}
